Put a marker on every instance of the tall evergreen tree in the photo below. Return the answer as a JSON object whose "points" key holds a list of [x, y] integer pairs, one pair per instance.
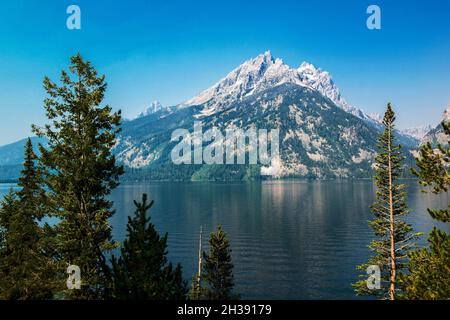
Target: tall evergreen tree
{"points": [[394, 236], [2, 233], [24, 267], [80, 172], [428, 274], [142, 271], [218, 277], [8, 207]]}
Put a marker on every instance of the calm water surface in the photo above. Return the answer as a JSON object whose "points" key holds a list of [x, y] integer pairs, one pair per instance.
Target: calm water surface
{"points": [[290, 239]]}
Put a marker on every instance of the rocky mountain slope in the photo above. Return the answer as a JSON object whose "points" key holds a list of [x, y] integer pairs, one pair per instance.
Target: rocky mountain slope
{"points": [[436, 135], [417, 132], [321, 135]]}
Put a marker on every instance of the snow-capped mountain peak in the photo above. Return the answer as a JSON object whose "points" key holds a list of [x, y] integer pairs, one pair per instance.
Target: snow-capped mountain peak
{"points": [[263, 72], [155, 106], [307, 67], [248, 78], [321, 81]]}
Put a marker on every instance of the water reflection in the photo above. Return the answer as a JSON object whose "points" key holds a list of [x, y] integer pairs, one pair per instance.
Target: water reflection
{"points": [[290, 239]]}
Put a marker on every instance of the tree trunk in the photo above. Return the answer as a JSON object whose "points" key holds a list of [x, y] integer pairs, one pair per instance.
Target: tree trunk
{"points": [[391, 227], [199, 274]]}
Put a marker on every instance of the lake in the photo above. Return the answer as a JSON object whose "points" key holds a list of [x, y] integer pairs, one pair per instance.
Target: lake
{"points": [[290, 239]]}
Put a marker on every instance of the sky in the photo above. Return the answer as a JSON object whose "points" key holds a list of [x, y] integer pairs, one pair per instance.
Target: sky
{"points": [[171, 50]]}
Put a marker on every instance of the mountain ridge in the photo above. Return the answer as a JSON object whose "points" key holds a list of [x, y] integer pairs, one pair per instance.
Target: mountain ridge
{"points": [[318, 139], [322, 135], [436, 135], [263, 71]]}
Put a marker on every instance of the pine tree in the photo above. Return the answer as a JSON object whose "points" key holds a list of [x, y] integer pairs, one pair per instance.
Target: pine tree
{"points": [[394, 236], [142, 271], [428, 274], [8, 207], [24, 266], [195, 292], [80, 172], [2, 234], [31, 193], [218, 269]]}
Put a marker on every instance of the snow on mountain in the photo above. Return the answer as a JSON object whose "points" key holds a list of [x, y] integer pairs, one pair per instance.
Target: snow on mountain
{"points": [[376, 116], [436, 134], [417, 132], [318, 139], [254, 75], [446, 115], [263, 72], [232, 100], [155, 106], [321, 80]]}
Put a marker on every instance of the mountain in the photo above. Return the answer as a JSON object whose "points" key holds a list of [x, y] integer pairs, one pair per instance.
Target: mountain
{"points": [[321, 135], [263, 72], [11, 154], [436, 135], [155, 106], [317, 138], [11, 157], [417, 132]]}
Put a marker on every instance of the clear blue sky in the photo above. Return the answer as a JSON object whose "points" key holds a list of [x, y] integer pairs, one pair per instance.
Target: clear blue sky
{"points": [[171, 50]]}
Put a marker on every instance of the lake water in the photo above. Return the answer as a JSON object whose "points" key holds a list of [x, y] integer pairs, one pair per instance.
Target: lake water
{"points": [[290, 239]]}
